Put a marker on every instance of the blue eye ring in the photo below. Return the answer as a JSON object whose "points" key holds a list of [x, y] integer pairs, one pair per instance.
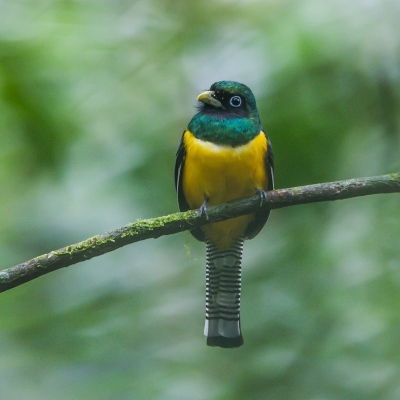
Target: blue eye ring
{"points": [[235, 101]]}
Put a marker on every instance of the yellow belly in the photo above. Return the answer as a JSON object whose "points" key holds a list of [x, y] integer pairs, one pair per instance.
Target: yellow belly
{"points": [[221, 173]]}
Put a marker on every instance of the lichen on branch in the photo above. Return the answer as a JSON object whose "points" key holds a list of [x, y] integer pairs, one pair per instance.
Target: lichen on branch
{"points": [[178, 222]]}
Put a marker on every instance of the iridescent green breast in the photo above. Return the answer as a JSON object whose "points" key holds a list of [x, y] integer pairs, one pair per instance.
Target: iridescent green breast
{"points": [[234, 131]]}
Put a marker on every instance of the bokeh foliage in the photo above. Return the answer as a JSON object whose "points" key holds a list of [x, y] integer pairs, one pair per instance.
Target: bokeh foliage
{"points": [[94, 96]]}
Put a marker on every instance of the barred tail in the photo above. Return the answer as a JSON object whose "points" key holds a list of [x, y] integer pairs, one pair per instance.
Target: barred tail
{"points": [[223, 283]]}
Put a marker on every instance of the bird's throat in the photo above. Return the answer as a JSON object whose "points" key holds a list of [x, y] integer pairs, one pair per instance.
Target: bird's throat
{"points": [[224, 131]]}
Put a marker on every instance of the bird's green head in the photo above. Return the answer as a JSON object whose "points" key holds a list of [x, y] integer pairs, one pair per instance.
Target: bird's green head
{"points": [[227, 114]]}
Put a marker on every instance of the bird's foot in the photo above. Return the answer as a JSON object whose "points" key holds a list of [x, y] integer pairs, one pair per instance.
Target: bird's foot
{"points": [[263, 196], [203, 209]]}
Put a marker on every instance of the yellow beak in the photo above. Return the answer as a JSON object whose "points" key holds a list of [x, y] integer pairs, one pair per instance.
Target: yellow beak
{"points": [[208, 98]]}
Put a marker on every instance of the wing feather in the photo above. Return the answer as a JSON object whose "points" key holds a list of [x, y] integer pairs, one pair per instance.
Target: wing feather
{"points": [[182, 203], [262, 215]]}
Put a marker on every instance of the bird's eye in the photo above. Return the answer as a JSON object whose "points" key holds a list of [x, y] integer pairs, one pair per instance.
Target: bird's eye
{"points": [[235, 101]]}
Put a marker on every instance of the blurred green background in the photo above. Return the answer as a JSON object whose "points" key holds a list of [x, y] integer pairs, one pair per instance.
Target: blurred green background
{"points": [[94, 96]]}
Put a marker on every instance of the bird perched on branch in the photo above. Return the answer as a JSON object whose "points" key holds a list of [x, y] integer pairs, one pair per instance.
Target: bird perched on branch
{"points": [[224, 154]]}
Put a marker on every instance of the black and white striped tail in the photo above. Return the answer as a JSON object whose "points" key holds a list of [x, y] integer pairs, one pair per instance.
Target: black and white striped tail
{"points": [[223, 284]]}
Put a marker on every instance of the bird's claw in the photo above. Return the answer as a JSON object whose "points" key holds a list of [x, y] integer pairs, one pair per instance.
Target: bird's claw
{"points": [[263, 196], [203, 209]]}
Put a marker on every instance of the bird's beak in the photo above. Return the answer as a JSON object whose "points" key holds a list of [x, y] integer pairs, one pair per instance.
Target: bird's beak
{"points": [[208, 98]]}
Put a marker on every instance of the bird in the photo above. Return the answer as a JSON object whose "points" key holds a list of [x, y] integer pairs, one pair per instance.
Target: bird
{"points": [[224, 154]]}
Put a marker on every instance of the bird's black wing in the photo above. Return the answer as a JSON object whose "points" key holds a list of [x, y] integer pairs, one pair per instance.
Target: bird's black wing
{"points": [[262, 215], [182, 203]]}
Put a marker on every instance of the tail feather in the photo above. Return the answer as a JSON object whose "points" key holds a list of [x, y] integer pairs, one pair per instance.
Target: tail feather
{"points": [[223, 286]]}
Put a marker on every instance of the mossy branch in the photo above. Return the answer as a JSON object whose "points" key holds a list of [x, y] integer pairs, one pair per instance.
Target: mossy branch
{"points": [[178, 222]]}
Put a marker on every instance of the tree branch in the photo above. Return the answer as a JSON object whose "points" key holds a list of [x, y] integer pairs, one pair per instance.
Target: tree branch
{"points": [[178, 222]]}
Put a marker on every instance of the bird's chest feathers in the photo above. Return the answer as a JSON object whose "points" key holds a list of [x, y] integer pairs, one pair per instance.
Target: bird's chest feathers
{"points": [[222, 172]]}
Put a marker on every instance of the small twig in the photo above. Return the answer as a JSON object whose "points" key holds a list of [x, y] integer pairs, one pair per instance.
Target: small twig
{"points": [[178, 222]]}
